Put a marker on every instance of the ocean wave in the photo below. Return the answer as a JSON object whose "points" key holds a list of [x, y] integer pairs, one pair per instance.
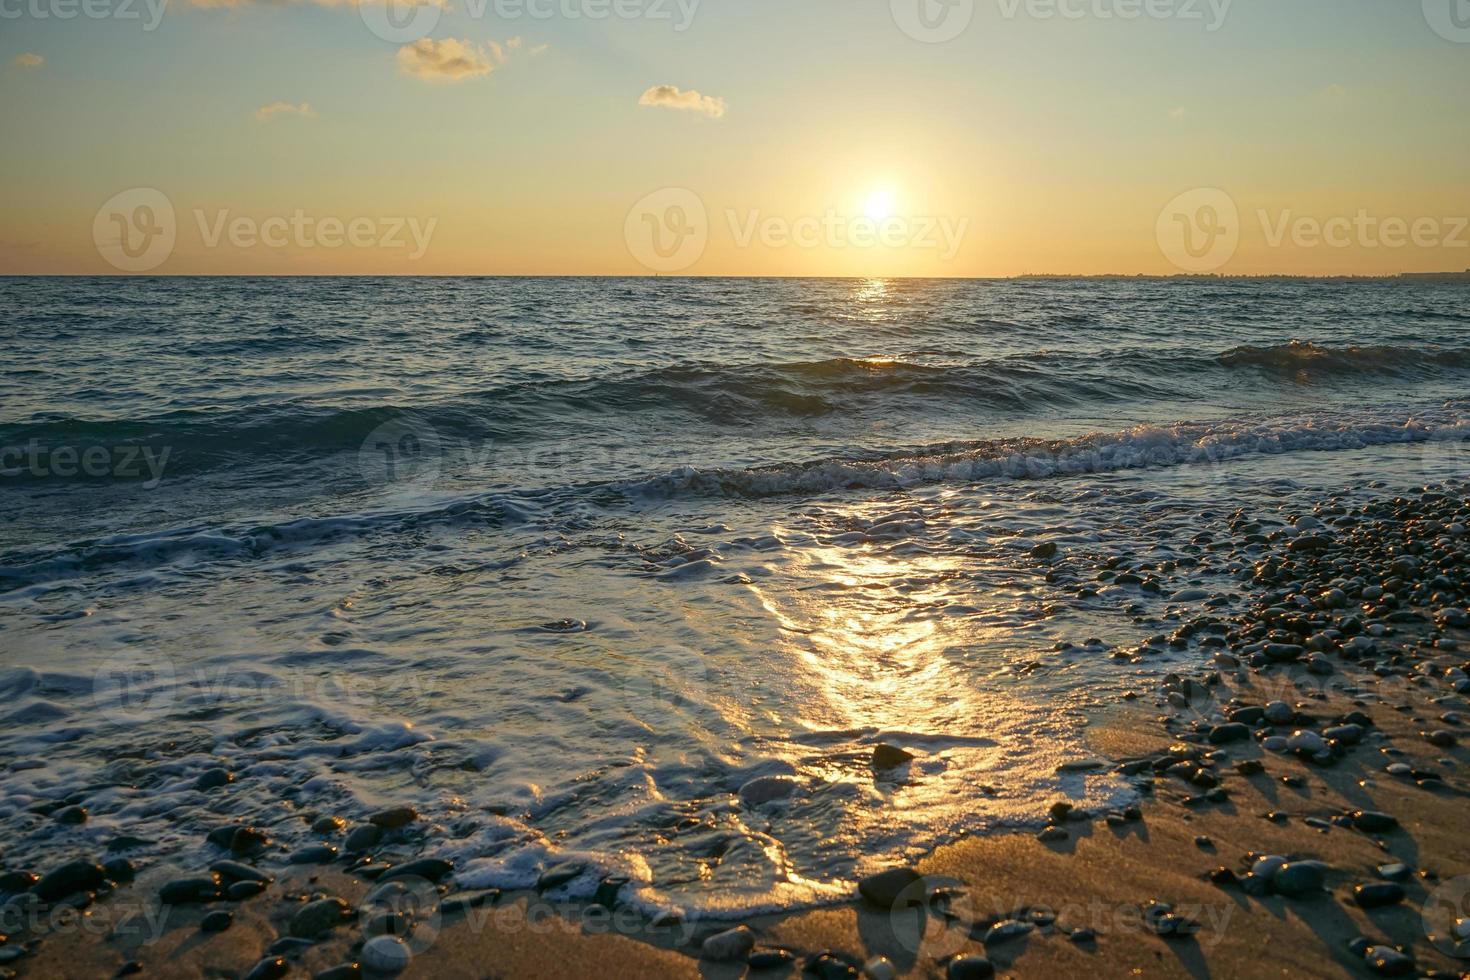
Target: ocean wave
{"points": [[1139, 447], [1310, 358]]}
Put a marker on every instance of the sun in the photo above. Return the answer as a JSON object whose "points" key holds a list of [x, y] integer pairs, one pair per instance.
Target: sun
{"points": [[879, 205]]}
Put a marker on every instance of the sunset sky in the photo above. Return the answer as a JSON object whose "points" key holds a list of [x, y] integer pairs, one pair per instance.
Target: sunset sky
{"points": [[1028, 143]]}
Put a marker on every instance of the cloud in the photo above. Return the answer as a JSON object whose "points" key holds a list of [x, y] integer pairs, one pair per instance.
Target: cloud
{"points": [[540, 49], [268, 112], [447, 60], [1178, 112], [28, 59], [670, 97]]}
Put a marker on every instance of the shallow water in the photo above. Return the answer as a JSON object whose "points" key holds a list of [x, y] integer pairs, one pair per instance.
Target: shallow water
{"points": [[565, 563]]}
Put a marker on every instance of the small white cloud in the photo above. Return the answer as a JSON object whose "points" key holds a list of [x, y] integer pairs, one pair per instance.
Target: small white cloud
{"points": [[28, 59], [1178, 112], [447, 60], [514, 42], [540, 49], [670, 97], [268, 112]]}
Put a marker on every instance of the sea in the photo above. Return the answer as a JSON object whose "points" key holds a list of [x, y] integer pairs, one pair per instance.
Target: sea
{"points": [[567, 563]]}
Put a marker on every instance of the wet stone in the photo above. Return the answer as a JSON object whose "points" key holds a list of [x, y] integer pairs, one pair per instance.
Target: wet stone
{"points": [[386, 954], [1378, 894], [270, 968], [318, 918], [363, 838], [189, 891], [887, 888], [315, 854], [75, 876], [731, 944], [394, 817], [969, 968], [217, 921]]}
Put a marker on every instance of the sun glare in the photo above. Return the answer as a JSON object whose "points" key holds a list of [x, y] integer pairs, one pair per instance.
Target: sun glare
{"points": [[880, 205]]}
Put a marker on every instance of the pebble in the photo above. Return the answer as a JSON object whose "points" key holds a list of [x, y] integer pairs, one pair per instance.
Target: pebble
{"points": [[1393, 872], [217, 921], [314, 854], [887, 888], [1006, 929], [342, 971], [316, 919], [430, 869], [1373, 821], [970, 967], [239, 891], [189, 891], [363, 838], [1388, 961], [236, 871], [394, 817], [770, 959], [559, 874], [1298, 879], [71, 815], [328, 825], [270, 968], [386, 954], [1279, 713], [1305, 741], [880, 968], [74, 876], [1378, 894], [732, 944]]}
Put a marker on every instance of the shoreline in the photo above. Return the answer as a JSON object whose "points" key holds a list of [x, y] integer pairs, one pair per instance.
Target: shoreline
{"points": [[1388, 689]]}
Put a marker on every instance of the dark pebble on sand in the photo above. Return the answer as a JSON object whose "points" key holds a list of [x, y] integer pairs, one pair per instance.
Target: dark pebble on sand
{"points": [[329, 825], [217, 921], [431, 869], [318, 918], [886, 888], [1373, 821], [71, 815], [315, 854], [1378, 894], [236, 871], [119, 870], [1232, 732], [829, 966], [363, 838], [187, 891], [241, 890], [394, 817], [969, 968], [14, 882], [1299, 879], [770, 959], [1389, 962], [75, 876], [270, 968], [342, 971]]}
